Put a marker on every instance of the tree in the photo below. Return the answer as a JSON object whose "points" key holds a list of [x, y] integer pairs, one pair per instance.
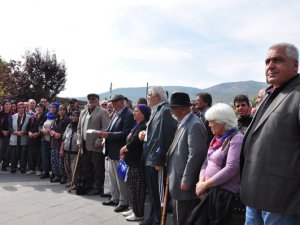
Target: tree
{"points": [[39, 76], [3, 69]]}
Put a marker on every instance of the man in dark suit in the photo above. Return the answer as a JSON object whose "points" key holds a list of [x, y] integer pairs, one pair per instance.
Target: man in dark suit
{"points": [[158, 137], [185, 158], [270, 184], [115, 138]]}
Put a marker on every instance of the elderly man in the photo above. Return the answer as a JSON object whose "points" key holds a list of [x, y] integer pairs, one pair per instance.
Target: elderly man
{"points": [[185, 158], [158, 137], [270, 184], [91, 120], [73, 106], [115, 138], [31, 107]]}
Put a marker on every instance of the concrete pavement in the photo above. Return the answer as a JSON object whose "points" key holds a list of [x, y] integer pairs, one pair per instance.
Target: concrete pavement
{"points": [[26, 199]]}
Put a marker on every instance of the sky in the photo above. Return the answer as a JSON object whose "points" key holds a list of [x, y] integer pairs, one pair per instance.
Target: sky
{"points": [[197, 43]]}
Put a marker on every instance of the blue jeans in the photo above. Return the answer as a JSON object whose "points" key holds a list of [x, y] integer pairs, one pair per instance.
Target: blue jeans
{"points": [[258, 217]]}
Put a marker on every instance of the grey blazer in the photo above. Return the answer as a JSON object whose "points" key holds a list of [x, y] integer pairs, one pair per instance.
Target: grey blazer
{"points": [[99, 120], [185, 157], [271, 155], [14, 127]]}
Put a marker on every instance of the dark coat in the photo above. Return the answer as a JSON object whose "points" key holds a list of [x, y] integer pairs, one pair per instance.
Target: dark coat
{"points": [[271, 155], [118, 133], [59, 126], [133, 157]]}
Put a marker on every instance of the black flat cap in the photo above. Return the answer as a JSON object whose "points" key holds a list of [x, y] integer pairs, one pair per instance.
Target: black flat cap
{"points": [[92, 95], [73, 100], [115, 98]]}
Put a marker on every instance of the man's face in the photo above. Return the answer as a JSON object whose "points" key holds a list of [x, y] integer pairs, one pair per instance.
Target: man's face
{"points": [[260, 96], [32, 105], [242, 108], [118, 105], [279, 68], [200, 104], [93, 102], [152, 100], [73, 105]]}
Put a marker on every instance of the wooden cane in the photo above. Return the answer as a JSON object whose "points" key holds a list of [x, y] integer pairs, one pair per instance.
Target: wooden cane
{"points": [[74, 169], [164, 213]]}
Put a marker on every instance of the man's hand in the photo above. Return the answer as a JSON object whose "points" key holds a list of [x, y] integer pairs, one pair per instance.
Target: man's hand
{"points": [[158, 168], [185, 187], [142, 135], [101, 134]]}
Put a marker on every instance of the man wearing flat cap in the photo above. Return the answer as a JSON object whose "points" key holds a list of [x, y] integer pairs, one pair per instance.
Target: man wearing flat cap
{"points": [[73, 106], [91, 120], [115, 138], [185, 157]]}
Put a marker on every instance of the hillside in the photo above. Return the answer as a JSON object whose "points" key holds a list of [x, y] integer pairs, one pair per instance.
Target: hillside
{"points": [[223, 92]]}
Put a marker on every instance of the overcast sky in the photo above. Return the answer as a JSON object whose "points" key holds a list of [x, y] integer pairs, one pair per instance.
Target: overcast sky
{"points": [[196, 43]]}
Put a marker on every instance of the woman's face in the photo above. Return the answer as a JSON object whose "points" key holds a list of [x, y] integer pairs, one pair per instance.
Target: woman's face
{"points": [[7, 106], [53, 109], [216, 128], [138, 115], [62, 112], [75, 118], [40, 110]]}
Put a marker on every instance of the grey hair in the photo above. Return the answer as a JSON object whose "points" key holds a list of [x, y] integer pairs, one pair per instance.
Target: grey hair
{"points": [[154, 90], [31, 100], [222, 113], [291, 50]]}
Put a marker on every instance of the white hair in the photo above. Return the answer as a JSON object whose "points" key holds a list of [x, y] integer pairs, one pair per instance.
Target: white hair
{"points": [[222, 113], [154, 90], [291, 50]]}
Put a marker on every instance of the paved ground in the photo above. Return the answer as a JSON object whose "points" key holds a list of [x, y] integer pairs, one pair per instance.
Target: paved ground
{"points": [[26, 199]]}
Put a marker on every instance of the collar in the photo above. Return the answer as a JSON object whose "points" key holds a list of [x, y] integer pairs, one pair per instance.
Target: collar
{"points": [[181, 122]]}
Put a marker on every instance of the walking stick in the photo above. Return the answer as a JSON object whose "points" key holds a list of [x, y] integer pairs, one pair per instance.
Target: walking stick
{"points": [[164, 213], [74, 169]]}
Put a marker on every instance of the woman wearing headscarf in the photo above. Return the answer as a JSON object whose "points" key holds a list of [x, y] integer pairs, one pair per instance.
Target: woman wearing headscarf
{"points": [[69, 147], [132, 154], [219, 181], [46, 139], [34, 127], [57, 130], [5, 120]]}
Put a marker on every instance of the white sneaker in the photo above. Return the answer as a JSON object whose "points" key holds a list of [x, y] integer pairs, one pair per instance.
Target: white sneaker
{"points": [[127, 213], [133, 217], [29, 172], [38, 173]]}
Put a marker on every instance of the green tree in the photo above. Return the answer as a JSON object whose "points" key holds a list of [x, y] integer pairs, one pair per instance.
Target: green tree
{"points": [[39, 76]]}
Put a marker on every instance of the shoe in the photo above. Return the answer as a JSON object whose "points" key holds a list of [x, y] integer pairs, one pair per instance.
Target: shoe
{"points": [[45, 175], [127, 213], [55, 180], [133, 217], [146, 222], [103, 195], [23, 171], [13, 171], [38, 173], [109, 203], [121, 208], [29, 172], [63, 181]]}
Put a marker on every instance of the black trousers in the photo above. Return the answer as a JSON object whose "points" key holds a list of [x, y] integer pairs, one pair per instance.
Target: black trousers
{"points": [[4, 151], [34, 154], [93, 170], [17, 151]]}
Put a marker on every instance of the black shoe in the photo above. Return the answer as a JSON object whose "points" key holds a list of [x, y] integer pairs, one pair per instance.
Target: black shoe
{"points": [[109, 203], [23, 171], [3, 169], [55, 180], [103, 195], [121, 208], [13, 171], [145, 222], [93, 192], [45, 175]]}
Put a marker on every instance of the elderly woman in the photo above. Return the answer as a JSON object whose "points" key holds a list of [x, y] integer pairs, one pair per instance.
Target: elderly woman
{"points": [[219, 179], [132, 154]]}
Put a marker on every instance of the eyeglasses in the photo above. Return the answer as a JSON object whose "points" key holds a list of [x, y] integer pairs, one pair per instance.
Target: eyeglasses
{"points": [[104, 104]]}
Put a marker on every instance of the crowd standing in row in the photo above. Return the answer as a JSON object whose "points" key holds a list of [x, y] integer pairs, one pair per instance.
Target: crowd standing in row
{"points": [[205, 154]]}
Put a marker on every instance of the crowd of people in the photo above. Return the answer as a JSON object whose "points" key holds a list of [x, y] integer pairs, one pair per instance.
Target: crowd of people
{"points": [[211, 163]]}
